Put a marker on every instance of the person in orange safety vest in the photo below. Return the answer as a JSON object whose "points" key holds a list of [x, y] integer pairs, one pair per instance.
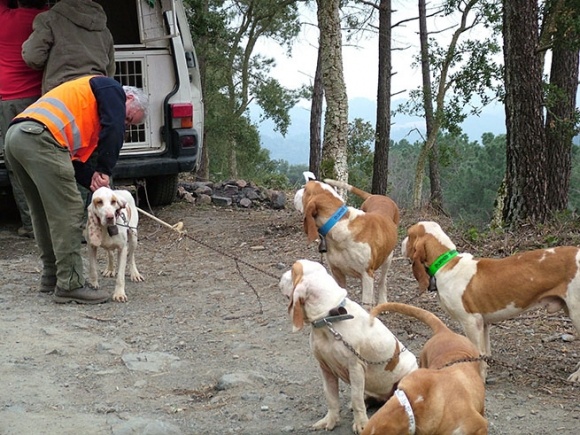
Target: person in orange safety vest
{"points": [[48, 147]]}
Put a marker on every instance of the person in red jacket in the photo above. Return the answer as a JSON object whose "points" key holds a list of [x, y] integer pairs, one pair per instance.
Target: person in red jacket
{"points": [[20, 85], [48, 146]]}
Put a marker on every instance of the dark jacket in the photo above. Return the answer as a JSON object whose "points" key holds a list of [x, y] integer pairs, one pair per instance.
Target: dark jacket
{"points": [[69, 41]]}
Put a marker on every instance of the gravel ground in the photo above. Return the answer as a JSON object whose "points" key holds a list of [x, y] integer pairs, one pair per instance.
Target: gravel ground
{"points": [[204, 345]]}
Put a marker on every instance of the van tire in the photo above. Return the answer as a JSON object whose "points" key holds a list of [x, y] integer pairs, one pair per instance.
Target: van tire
{"points": [[161, 190]]}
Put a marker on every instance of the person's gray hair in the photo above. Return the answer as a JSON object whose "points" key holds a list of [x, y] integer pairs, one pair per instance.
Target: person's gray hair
{"points": [[140, 98]]}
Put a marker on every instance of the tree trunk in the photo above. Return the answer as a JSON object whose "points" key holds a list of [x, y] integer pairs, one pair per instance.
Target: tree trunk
{"points": [[526, 186], [203, 170], [233, 160], [434, 121], [334, 164], [383, 129], [434, 177], [560, 121], [316, 118]]}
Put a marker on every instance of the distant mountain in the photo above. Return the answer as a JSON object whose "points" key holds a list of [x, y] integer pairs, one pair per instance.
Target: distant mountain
{"points": [[294, 148]]}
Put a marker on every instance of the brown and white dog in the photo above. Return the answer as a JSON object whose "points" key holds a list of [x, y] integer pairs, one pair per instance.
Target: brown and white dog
{"points": [[347, 344], [479, 292], [112, 225], [360, 242], [445, 396]]}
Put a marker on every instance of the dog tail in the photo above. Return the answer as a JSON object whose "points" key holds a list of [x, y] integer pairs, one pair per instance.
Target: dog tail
{"points": [[430, 319], [352, 189]]}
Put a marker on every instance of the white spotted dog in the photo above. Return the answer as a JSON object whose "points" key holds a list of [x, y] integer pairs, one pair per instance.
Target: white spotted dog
{"points": [[480, 291], [358, 242], [112, 225], [346, 342]]}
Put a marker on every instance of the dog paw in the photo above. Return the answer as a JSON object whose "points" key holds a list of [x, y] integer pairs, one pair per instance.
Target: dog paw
{"points": [[109, 273], [359, 426], [120, 297], [329, 422], [137, 277], [575, 377]]}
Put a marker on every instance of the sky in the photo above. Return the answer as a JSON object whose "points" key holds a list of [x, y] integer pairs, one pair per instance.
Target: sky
{"points": [[360, 58]]}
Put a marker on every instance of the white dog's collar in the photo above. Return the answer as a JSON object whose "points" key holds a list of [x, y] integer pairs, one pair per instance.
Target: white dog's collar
{"points": [[404, 401], [335, 315]]}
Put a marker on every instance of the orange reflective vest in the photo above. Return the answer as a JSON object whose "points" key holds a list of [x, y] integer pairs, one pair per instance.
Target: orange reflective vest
{"points": [[70, 113]]}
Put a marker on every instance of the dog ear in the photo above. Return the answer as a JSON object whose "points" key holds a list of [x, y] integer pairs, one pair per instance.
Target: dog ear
{"points": [[310, 227], [121, 202], [297, 305], [297, 314], [297, 274], [94, 230], [419, 258], [296, 301]]}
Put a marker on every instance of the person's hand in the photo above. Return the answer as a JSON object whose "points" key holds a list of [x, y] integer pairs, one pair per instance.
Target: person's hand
{"points": [[99, 180]]}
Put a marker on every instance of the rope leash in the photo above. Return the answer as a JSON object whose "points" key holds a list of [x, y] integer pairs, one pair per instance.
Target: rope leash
{"points": [[178, 228]]}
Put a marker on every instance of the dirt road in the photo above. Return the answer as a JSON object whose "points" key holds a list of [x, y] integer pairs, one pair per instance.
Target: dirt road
{"points": [[204, 345]]}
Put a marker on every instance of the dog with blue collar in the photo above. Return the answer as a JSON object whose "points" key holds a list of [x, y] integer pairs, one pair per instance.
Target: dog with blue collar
{"points": [[356, 242]]}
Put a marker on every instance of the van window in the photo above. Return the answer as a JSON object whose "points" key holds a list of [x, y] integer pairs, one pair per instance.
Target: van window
{"points": [[122, 21]]}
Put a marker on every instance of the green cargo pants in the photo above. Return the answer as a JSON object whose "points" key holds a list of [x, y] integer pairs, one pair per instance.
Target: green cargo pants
{"points": [[45, 172]]}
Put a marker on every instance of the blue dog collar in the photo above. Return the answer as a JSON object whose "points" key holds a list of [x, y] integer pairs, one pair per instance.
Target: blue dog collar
{"points": [[324, 229]]}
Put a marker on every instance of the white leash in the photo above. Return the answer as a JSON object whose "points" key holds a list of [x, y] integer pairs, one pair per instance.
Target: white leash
{"points": [[178, 227]]}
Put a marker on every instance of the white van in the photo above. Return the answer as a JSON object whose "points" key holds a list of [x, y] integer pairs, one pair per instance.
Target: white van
{"points": [[154, 51]]}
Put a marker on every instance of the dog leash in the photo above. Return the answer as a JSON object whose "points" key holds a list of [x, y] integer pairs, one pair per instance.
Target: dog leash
{"points": [[338, 336], [484, 358]]}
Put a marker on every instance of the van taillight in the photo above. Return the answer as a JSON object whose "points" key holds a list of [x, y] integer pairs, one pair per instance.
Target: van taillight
{"points": [[181, 115], [187, 141]]}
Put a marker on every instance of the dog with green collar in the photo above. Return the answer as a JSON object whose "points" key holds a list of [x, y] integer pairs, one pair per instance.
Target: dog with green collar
{"points": [[478, 292]]}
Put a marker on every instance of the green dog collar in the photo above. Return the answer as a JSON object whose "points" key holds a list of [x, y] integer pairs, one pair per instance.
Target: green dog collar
{"points": [[441, 261]]}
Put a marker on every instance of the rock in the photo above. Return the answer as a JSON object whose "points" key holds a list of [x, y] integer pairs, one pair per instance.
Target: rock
{"points": [[203, 199], [232, 380], [149, 361], [240, 193], [230, 190], [114, 347], [203, 190], [145, 426], [250, 193], [278, 200], [188, 197], [221, 200], [245, 202]]}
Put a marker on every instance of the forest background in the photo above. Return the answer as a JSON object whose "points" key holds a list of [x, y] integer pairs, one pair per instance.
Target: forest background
{"points": [[470, 72]]}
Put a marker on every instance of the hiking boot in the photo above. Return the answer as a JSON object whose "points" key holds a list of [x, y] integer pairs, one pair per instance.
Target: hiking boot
{"points": [[26, 232], [47, 284], [86, 294]]}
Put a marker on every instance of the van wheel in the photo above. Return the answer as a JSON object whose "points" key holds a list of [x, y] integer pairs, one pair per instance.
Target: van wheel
{"points": [[161, 190]]}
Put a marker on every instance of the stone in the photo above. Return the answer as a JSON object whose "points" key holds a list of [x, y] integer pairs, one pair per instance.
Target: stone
{"points": [[221, 200], [245, 202]]}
